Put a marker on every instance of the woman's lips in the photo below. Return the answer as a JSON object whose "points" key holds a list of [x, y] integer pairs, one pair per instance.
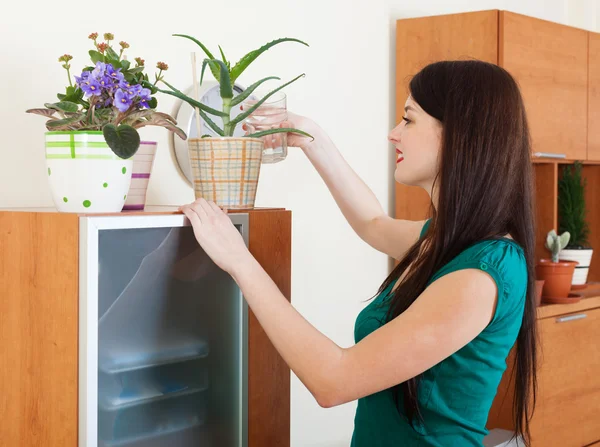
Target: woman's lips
{"points": [[400, 157]]}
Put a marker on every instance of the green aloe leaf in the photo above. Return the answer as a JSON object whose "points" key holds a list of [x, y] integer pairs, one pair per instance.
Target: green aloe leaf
{"points": [[125, 65], [247, 92], [224, 81], [247, 113], [223, 56], [244, 62], [278, 130], [123, 140], [206, 51], [211, 124], [63, 106], [190, 101]]}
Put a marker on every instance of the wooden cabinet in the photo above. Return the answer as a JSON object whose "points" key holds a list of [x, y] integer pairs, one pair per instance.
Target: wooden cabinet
{"points": [[569, 382], [65, 276], [568, 403], [422, 41], [549, 61], [593, 130]]}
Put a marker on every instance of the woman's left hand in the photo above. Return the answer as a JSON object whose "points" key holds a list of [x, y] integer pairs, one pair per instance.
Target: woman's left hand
{"points": [[217, 235]]}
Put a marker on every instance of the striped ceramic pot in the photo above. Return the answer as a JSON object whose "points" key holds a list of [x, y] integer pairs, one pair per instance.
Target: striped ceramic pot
{"points": [[584, 257], [143, 161], [226, 170], [84, 174]]}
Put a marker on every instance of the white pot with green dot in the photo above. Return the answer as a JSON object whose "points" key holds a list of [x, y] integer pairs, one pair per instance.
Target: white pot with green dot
{"points": [[84, 174]]}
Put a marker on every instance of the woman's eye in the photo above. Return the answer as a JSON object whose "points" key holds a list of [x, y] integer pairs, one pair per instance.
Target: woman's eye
{"points": [[406, 119]]}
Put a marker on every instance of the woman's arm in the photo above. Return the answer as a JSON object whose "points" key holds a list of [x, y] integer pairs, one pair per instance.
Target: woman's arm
{"points": [[451, 312], [354, 198]]}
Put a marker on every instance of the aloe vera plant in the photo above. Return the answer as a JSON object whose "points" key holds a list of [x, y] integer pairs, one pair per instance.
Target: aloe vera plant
{"points": [[556, 243], [226, 76]]}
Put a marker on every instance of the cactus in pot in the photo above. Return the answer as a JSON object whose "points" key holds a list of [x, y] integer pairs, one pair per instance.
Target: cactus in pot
{"points": [[557, 274], [556, 243]]}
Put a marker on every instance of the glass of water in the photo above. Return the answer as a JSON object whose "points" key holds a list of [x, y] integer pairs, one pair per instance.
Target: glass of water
{"points": [[269, 115]]}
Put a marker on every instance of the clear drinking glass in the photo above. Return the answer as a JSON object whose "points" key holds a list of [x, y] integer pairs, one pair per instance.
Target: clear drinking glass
{"points": [[269, 115]]}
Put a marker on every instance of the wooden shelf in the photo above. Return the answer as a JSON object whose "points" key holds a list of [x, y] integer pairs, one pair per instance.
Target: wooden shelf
{"points": [[562, 161], [591, 300], [150, 210]]}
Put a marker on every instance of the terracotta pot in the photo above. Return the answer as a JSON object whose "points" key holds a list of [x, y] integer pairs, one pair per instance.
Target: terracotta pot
{"points": [[557, 277], [539, 285]]}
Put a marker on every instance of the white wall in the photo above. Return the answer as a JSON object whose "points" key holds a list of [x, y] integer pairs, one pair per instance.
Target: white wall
{"points": [[349, 90]]}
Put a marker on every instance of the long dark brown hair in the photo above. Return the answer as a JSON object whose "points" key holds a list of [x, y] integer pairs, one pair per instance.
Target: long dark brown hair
{"points": [[485, 190]]}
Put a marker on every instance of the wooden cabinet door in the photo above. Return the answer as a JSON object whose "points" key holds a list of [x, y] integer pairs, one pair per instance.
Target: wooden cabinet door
{"points": [[567, 411], [593, 152], [420, 41], [549, 61]]}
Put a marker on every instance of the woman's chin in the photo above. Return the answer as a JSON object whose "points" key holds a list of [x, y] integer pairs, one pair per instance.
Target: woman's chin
{"points": [[401, 177]]}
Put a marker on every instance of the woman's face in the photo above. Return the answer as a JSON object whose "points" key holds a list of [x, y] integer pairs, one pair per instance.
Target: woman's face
{"points": [[417, 140]]}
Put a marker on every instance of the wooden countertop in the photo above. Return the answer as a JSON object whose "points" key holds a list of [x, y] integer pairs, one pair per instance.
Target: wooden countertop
{"points": [[150, 209], [590, 300]]}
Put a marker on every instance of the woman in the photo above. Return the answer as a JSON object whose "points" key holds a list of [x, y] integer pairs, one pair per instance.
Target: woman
{"points": [[432, 346]]}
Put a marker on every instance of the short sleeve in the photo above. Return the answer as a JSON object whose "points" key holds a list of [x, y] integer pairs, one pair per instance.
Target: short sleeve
{"points": [[424, 229], [504, 261]]}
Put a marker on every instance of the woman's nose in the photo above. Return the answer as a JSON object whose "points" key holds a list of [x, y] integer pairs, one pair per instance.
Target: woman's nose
{"points": [[394, 136]]}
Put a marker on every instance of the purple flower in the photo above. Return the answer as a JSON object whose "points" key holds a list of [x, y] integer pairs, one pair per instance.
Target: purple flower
{"points": [[122, 100], [106, 82], [144, 97], [104, 101], [98, 72], [133, 90], [124, 84], [83, 78], [114, 74], [91, 87]]}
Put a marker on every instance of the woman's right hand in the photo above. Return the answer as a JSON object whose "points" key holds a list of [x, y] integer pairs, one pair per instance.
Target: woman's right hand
{"points": [[293, 139]]}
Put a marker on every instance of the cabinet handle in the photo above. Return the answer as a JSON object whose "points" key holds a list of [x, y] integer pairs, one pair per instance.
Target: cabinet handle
{"points": [[570, 318], [548, 155]]}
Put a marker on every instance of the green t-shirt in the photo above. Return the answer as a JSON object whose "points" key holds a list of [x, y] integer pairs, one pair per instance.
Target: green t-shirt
{"points": [[455, 395]]}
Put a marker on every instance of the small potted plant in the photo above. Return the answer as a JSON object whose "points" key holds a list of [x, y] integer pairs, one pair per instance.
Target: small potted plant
{"points": [[226, 168], [92, 130], [572, 215], [555, 273]]}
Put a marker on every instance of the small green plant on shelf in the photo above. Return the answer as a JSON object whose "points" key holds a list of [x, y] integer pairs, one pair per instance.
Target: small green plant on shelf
{"points": [[572, 213]]}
